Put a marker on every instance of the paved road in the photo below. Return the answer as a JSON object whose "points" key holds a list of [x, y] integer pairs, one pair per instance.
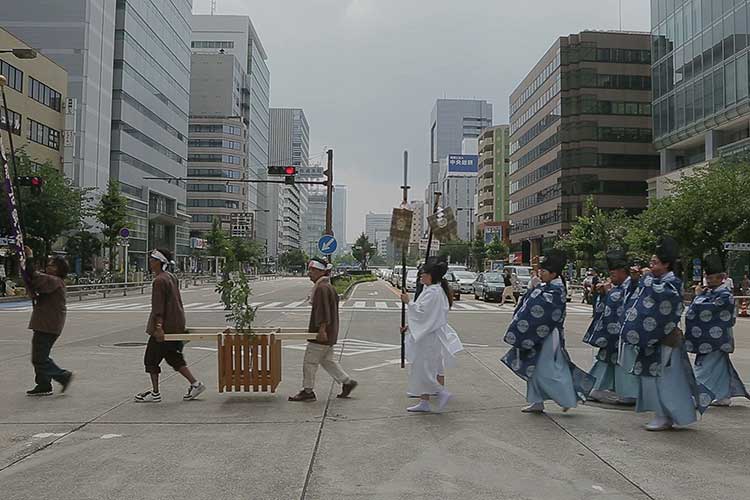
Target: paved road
{"points": [[94, 443]]}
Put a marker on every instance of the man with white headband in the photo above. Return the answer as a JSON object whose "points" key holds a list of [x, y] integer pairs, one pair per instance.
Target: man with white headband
{"points": [[167, 316], [324, 322]]}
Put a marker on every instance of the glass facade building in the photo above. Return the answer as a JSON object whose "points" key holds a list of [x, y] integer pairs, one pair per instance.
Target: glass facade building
{"points": [[700, 76]]}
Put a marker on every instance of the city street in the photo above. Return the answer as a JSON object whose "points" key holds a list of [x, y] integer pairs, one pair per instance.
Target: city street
{"points": [[93, 442]]}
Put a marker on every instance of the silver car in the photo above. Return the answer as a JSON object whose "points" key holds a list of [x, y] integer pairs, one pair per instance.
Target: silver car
{"points": [[465, 280]]}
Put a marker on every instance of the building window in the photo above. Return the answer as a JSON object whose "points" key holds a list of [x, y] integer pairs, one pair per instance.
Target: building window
{"points": [[42, 134], [215, 129], [44, 94], [214, 143], [212, 44], [200, 203], [215, 158], [213, 188], [13, 74], [214, 172], [15, 121]]}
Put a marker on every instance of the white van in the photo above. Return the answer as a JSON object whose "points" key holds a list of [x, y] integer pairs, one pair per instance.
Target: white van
{"points": [[520, 277]]}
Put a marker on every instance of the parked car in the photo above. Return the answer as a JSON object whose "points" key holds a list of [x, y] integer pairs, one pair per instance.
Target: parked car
{"points": [[411, 280], [466, 280], [489, 286], [454, 285]]}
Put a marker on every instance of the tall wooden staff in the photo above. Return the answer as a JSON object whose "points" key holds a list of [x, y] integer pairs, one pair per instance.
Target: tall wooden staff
{"points": [[404, 249]]}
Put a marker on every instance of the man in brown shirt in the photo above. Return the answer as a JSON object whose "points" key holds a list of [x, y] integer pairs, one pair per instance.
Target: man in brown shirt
{"points": [[47, 322], [167, 316], [324, 322]]}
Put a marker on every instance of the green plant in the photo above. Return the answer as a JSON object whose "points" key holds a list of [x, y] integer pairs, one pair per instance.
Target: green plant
{"points": [[112, 213], [235, 295]]}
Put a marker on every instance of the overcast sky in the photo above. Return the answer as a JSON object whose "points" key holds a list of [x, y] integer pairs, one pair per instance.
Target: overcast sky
{"points": [[368, 72]]}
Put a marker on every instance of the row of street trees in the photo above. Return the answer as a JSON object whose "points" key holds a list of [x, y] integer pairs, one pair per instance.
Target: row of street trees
{"points": [[705, 209]]}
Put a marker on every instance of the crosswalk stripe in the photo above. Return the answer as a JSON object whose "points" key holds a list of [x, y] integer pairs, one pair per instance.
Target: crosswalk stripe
{"points": [[381, 305], [360, 304], [487, 307], [193, 304], [294, 304], [89, 307], [467, 307], [208, 306], [272, 304]]}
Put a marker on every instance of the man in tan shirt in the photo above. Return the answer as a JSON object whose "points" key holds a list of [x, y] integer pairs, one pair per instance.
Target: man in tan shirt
{"points": [[324, 322], [47, 322], [167, 316]]}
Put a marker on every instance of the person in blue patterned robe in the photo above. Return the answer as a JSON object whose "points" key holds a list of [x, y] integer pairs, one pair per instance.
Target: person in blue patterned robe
{"points": [[613, 383], [708, 334], [536, 333], [651, 345]]}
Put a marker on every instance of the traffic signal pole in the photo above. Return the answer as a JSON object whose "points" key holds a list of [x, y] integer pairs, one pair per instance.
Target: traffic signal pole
{"points": [[329, 197]]}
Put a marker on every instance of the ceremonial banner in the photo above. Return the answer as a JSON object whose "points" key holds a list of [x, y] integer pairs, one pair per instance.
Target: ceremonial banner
{"points": [[14, 222], [401, 223], [443, 224]]}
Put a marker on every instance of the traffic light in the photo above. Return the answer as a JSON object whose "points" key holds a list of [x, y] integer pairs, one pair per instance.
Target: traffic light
{"points": [[282, 170], [32, 181]]}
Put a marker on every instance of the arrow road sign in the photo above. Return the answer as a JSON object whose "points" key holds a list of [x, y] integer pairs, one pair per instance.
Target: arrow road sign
{"points": [[327, 245]]}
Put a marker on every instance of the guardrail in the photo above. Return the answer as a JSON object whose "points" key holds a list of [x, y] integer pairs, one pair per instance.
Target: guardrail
{"points": [[109, 289]]}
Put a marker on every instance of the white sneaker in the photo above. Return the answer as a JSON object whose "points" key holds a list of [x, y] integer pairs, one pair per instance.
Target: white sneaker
{"points": [[443, 397], [194, 391], [722, 402], [422, 407], [148, 397], [659, 424], [534, 408]]}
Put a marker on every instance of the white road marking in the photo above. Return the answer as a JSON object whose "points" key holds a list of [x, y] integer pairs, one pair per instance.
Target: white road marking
{"points": [[272, 304], [360, 304], [193, 304], [466, 307], [213, 349], [44, 435], [294, 304], [381, 365], [381, 305], [474, 345], [110, 436], [209, 306]]}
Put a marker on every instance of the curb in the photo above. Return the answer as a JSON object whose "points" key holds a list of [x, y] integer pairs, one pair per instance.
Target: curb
{"points": [[351, 287]]}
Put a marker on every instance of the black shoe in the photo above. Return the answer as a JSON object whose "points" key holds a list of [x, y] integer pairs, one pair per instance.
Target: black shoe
{"points": [[303, 395], [65, 381], [347, 389], [40, 391]]}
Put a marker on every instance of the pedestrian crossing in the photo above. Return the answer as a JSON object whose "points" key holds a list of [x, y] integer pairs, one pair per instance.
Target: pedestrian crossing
{"points": [[377, 306]]}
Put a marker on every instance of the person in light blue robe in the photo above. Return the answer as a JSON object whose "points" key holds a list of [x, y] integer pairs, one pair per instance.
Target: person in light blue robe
{"points": [[709, 322], [536, 333], [613, 384], [651, 345]]}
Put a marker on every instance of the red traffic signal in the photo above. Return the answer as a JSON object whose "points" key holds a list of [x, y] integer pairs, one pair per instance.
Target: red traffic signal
{"points": [[32, 181], [36, 182], [282, 170], [290, 170]]}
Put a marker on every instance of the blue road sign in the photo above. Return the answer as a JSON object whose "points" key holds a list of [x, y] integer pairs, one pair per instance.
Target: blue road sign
{"points": [[327, 244]]}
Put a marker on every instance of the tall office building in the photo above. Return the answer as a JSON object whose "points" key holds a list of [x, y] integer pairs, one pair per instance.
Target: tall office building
{"points": [[237, 36], [580, 127], [79, 35], [36, 108], [289, 145], [218, 147], [700, 79], [452, 121], [150, 106], [340, 193], [314, 220], [375, 223], [493, 177]]}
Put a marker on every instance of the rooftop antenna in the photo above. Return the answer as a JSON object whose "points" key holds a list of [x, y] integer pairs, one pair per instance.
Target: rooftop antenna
{"points": [[213, 7], [619, 4]]}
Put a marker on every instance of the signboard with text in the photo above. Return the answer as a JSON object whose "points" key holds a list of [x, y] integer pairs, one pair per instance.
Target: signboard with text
{"points": [[242, 225], [491, 231], [463, 164]]}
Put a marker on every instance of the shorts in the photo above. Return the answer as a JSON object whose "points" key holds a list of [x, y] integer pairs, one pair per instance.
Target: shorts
{"points": [[158, 351]]}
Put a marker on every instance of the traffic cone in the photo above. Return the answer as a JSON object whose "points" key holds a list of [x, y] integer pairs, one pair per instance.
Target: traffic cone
{"points": [[743, 309]]}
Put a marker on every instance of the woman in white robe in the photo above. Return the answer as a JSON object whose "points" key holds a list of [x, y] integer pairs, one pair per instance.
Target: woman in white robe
{"points": [[431, 344]]}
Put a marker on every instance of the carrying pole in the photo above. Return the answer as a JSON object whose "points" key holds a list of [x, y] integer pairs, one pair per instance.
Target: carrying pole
{"points": [[404, 250]]}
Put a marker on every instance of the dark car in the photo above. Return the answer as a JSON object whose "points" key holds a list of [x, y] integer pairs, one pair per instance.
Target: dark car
{"points": [[489, 286], [454, 284]]}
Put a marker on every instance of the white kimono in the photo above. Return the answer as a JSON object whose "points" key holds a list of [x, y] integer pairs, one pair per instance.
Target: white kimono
{"points": [[431, 343]]}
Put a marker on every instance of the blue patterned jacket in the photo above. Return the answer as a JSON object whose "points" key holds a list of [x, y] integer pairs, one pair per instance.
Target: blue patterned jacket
{"points": [[709, 322], [604, 331]]}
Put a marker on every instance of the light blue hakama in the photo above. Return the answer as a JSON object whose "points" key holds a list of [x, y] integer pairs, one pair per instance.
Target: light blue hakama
{"points": [[612, 377], [552, 379], [671, 394], [717, 373]]}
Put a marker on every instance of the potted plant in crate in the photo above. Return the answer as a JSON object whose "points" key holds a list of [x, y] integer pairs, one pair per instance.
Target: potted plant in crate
{"points": [[235, 295]]}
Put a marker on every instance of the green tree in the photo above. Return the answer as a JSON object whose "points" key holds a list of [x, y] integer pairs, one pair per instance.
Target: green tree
{"points": [[217, 239], [346, 259], [59, 208], [244, 251], [112, 213], [497, 250], [293, 260], [83, 245], [478, 251], [363, 250], [457, 250], [595, 233]]}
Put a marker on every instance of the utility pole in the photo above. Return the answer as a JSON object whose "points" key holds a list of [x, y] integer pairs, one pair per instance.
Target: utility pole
{"points": [[329, 197], [404, 204]]}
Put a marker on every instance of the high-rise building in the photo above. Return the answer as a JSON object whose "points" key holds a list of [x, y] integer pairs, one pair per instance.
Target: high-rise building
{"points": [[36, 97], [79, 35], [314, 219], [700, 84], [493, 183], [237, 36], [218, 147], [452, 121], [580, 127], [289, 145], [150, 106], [375, 223], [340, 193]]}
